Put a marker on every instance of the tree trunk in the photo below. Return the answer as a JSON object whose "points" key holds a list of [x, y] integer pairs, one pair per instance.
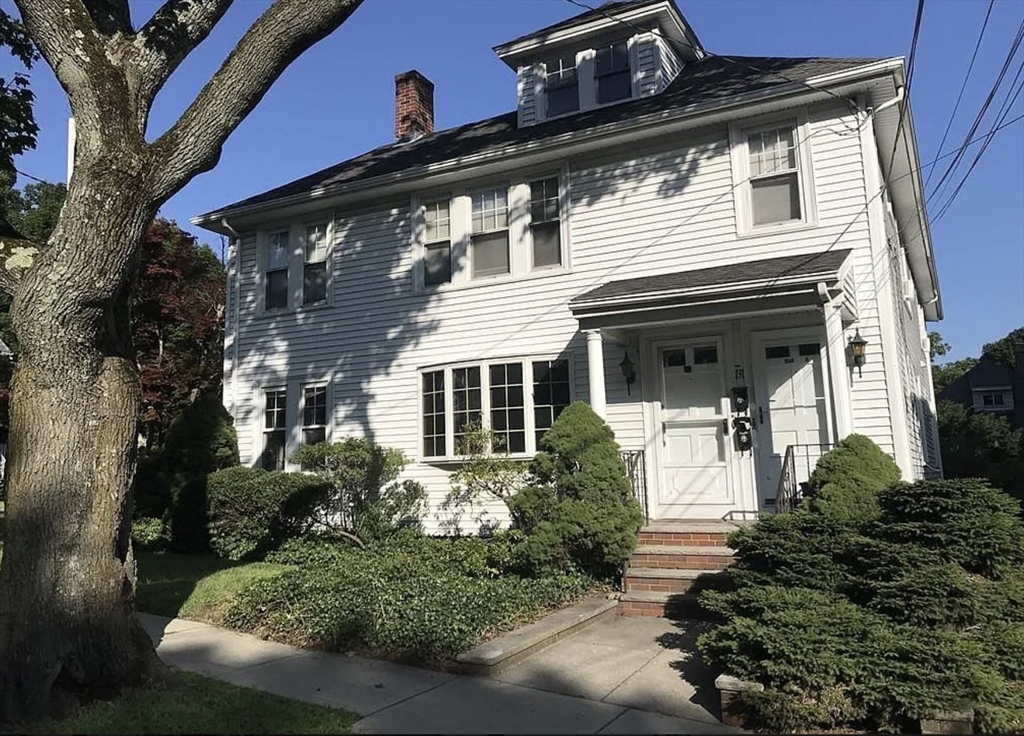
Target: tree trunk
{"points": [[67, 582]]}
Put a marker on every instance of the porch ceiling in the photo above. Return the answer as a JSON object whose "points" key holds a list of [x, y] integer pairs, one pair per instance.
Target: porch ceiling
{"points": [[789, 283]]}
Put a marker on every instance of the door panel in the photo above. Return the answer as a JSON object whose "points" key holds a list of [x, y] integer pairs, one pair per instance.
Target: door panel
{"points": [[791, 404]]}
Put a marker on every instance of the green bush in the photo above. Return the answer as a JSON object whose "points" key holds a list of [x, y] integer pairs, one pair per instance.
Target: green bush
{"points": [[578, 511], [981, 445], [850, 623], [365, 496], [149, 534], [251, 510], [393, 602], [846, 481]]}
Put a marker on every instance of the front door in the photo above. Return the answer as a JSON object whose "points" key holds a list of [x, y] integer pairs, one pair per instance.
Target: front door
{"points": [[791, 407], [694, 453]]}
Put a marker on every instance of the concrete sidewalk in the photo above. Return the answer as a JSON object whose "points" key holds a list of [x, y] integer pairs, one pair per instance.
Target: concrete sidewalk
{"points": [[620, 676]]}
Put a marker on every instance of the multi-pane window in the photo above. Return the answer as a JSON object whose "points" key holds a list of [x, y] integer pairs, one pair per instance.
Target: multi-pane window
{"points": [[550, 393], [434, 434], [466, 403], [489, 252], [612, 75], [274, 418], [508, 407], [774, 176], [563, 87], [494, 396], [314, 414], [314, 275], [993, 399], [437, 258], [545, 225], [276, 295]]}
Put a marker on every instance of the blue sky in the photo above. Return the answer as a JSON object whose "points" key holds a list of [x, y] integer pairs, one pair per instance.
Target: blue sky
{"points": [[337, 101]]}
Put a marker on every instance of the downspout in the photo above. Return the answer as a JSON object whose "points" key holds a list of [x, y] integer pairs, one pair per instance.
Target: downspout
{"points": [[901, 92], [234, 259]]}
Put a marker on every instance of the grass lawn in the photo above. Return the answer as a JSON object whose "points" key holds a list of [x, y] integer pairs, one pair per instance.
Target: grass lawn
{"points": [[199, 587], [194, 704]]}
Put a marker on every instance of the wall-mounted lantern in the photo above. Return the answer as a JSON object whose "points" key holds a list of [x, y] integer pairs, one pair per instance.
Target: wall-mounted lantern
{"points": [[858, 350], [628, 372]]}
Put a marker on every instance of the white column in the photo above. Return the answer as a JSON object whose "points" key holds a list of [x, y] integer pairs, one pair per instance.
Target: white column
{"points": [[595, 370], [839, 373]]}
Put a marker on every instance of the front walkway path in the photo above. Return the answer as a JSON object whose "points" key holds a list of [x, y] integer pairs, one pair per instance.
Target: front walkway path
{"points": [[619, 676]]}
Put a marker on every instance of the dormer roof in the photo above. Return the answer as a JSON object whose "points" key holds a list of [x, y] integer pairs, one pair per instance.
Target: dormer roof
{"points": [[611, 16]]}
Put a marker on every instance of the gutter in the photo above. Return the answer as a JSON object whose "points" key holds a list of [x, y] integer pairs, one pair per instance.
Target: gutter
{"points": [[682, 116]]}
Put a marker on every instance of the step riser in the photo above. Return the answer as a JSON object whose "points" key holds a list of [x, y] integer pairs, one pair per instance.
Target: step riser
{"points": [[677, 610], [657, 585], [681, 562], [684, 539]]}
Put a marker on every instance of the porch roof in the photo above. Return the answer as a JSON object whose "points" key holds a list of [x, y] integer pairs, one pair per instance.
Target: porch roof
{"points": [[773, 282]]}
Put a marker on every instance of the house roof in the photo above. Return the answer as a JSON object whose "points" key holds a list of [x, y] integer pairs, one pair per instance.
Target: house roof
{"points": [[601, 11], [802, 268], [712, 79]]}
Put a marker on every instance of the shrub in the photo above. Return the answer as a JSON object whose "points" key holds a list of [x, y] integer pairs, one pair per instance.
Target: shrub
{"points": [[846, 481], [487, 470], [579, 509], [251, 510], [149, 534], [365, 497]]}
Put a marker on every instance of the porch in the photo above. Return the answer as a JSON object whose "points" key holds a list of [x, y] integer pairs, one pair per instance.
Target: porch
{"points": [[739, 375]]}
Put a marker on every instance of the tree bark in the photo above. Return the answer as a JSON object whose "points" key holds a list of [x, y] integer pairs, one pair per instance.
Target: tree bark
{"points": [[68, 629]]}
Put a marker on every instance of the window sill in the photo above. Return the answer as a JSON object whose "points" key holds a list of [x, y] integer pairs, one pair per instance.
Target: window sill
{"points": [[791, 226], [285, 311], [454, 462], [539, 273]]}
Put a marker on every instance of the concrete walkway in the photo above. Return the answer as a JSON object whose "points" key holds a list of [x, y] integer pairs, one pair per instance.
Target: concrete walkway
{"points": [[622, 675]]}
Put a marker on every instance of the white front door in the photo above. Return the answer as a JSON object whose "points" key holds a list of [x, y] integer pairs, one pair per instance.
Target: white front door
{"points": [[791, 406], [694, 454]]}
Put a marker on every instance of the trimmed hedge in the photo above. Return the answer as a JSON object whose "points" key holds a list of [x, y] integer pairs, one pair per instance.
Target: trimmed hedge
{"points": [[578, 511], [847, 479], [252, 511], [409, 598]]}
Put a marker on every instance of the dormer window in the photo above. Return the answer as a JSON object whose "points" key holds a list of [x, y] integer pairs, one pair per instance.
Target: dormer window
{"points": [[612, 74], [563, 86]]}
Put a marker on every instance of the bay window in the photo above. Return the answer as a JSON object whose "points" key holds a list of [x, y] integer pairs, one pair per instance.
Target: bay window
{"points": [[517, 400]]}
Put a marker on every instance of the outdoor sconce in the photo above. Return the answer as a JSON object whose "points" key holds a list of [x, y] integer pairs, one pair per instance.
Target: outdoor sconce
{"points": [[628, 372], [858, 346]]}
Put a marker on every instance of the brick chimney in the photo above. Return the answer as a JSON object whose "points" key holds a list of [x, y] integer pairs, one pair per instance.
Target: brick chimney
{"points": [[414, 105]]}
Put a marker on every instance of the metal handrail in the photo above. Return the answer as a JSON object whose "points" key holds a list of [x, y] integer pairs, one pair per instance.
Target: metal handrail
{"points": [[636, 468], [797, 466]]}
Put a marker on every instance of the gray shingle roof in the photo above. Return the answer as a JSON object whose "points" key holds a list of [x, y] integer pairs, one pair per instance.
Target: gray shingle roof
{"points": [[600, 11], [805, 265], [714, 78]]}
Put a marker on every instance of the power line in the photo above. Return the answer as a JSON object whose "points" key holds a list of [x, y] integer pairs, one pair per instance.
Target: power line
{"points": [[963, 86], [910, 80]]}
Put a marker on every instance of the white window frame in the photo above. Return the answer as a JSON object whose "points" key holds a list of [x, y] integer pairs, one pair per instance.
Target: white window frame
{"points": [[325, 385], [426, 243], [740, 160], [529, 423], [326, 261], [296, 262], [631, 69], [579, 88], [261, 425], [497, 187], [520, 234], [263, 265], [562, 209]]}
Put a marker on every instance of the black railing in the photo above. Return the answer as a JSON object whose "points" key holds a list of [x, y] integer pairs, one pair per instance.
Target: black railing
{"points": [[797, 465], [636, 468]]}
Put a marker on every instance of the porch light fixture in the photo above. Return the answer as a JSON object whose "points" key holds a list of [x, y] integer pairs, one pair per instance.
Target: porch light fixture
{"points": [[628, 372], [858, 348]]}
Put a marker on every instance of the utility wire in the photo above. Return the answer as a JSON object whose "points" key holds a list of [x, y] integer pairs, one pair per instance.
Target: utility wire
{"points": [[910, 80], [963, 86]]}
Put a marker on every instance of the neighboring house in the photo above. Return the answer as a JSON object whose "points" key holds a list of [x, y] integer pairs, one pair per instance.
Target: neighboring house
{"points": [[719, 228], [992, 387]]}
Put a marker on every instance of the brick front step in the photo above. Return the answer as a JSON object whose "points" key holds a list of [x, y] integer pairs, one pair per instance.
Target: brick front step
{"points": [[681, 557], [685, 539], [668, 580], [661, 605]]}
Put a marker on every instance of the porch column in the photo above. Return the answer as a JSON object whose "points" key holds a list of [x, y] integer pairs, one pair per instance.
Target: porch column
{"points": [[595, 371], [839, 372]]}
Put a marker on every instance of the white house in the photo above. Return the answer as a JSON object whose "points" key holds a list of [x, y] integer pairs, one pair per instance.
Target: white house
{"points": [[726, 224]]}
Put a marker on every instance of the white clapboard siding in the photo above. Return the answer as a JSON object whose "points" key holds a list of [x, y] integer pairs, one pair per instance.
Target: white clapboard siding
{"points": [[631, 212], [669, 63]]}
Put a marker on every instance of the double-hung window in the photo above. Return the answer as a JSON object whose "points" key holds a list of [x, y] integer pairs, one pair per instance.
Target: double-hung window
{"points": [[489, 243], [276, 274], [314, 414], [274, 426], [545, 224], [437, 245], [517, 400], [612, 74], [562, 86], [774, 176], [314, 275]]}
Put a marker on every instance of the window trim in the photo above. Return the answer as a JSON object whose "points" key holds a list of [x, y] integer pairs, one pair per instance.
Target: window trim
{"points": [[529, 423], [562, 209], [1005, 394], [509, 188], [631, 70], [303, 231], [741, 179], [296, 265], [261, 422], [577, 57], [302, 426]]}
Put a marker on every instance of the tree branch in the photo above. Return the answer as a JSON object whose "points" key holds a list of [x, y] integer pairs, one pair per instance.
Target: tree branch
{"points": [[173, 32], [275, 40]]}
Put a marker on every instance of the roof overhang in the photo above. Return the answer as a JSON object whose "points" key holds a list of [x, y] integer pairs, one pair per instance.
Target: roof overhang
{"points": [[662, 13]]}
